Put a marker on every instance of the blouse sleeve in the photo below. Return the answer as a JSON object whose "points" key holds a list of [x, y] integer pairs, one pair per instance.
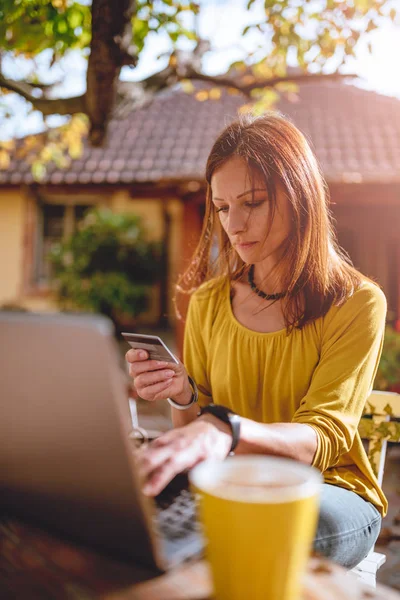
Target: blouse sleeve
{"points": [[352, 340], [195, 349]]}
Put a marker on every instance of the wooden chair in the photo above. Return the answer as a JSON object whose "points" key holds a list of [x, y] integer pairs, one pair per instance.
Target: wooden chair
{"points": [[378, 427]]}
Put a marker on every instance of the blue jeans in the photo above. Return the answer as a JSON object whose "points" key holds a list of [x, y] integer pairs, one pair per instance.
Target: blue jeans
{"points": [[347, 528]]}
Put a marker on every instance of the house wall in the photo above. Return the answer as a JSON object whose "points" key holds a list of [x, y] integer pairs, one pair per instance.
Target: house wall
{"points": [[367, 221], [175, 210], [190, 234], [17, 239], [371, 237], [12, 205], [163, 218], [150, 210]]}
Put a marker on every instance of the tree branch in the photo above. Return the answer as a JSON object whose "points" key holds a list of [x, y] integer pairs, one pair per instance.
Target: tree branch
{"points": [[44, 87], [47, 106], [246, 89], [153, 84]]}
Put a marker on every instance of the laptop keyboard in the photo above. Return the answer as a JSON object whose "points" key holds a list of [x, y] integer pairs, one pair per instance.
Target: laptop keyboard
{"points": [[177, 509]]}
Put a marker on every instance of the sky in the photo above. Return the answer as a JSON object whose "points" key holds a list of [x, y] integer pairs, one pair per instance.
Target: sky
{"points": [[379, 70]]}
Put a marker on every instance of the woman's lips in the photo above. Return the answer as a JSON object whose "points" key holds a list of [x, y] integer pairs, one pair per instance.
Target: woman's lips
{"points": [[245, 245]]}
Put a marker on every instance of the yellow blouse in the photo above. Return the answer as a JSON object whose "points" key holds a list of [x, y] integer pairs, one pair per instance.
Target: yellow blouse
{"points": [[320, 375]]}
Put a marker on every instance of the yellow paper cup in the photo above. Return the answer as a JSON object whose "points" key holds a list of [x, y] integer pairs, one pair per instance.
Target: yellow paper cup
{"points": [[259, 515]]}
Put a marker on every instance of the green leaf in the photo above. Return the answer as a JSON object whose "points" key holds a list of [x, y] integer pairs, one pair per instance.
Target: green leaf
{"points": [[388, 373], [107, 265], [38, 171], [75, 18], [388, 410], [312, 31]]}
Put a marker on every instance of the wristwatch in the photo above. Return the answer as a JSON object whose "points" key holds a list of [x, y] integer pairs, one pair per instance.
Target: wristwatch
{"points": [[227, 416], [194, 398]]}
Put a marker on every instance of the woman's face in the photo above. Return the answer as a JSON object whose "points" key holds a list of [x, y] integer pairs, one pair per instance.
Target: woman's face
{"points": [[244, 210]]}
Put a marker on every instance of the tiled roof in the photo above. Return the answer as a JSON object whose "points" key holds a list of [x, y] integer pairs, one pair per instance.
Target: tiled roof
{"points": [[355, 134]]}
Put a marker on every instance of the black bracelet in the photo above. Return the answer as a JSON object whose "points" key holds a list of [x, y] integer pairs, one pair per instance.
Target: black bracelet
{"points": [[227, 416]]}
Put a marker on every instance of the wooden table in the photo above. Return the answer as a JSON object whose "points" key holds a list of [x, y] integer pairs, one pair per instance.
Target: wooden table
{"points": [[37, 566]]}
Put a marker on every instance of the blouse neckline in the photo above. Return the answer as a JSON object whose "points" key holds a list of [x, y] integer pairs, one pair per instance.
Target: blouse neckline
{"points": [[238, 325]]}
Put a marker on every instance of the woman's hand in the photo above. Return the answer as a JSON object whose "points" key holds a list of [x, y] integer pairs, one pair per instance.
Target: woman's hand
{"points": [[181, 449], [157, 380]]}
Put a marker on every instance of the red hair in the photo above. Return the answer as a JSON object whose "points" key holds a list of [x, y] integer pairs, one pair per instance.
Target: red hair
{"points": [[317, 272]]}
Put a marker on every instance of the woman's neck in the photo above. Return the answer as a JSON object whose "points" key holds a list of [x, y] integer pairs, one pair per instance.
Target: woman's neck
{"points": [[268, 277], [253, 312]]}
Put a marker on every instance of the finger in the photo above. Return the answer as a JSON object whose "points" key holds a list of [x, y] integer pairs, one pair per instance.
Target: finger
{"points": [[173, 436], [170, 446], [149, 459], [162, 475], [174, 446], [159, 479], [134, 355], [137, 368], [132, 391], [158, 391], [153, 377]]}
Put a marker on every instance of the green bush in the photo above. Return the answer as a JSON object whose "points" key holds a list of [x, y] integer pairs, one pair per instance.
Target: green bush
{"points": [[106, 266], [388, 375]]}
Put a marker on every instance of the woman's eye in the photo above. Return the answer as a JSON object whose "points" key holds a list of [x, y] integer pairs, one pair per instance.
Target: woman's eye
{"points": [[254, 204], [225, 209]]}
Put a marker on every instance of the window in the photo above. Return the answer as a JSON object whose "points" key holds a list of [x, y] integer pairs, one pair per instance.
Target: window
{"points": [[55, 222]]}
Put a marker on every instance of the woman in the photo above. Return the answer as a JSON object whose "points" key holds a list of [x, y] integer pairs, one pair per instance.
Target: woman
{"points": [[281, 331]]}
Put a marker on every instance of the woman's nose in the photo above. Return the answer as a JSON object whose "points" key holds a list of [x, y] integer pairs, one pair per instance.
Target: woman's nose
{"points": [[237, 222]]}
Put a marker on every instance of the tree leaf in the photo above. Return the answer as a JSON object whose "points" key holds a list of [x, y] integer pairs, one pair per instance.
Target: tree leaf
{"points": [[38, 171]]}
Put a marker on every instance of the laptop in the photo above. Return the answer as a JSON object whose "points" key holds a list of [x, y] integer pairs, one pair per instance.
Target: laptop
{"points": [[66, 456]]}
